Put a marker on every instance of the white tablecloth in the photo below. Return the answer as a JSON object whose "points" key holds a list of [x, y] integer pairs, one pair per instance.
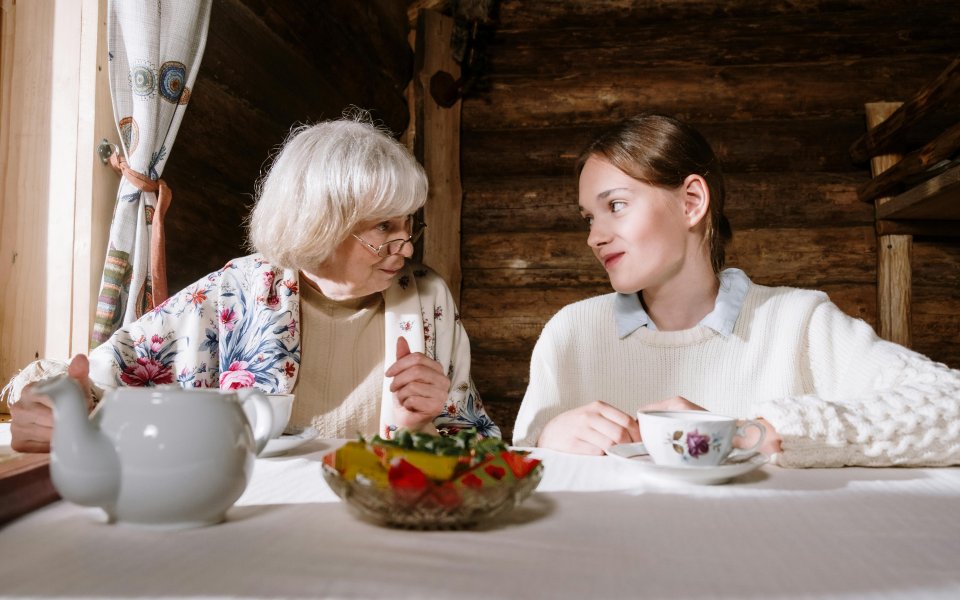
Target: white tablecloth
{"points": [[596, 528]]}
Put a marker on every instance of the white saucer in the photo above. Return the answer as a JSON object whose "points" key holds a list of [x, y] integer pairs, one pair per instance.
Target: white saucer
{"points": [[285, 443], [637, 454], [627, 451], [704, 475]]}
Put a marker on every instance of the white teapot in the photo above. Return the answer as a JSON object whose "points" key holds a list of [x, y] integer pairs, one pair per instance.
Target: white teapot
{"points": [[163, 456]]}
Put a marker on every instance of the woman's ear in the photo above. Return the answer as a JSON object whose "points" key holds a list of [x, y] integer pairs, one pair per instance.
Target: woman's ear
{"points": [[696, 199]]}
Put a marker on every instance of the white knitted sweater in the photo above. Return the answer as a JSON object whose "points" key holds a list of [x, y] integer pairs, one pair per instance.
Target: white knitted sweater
{"points": [[835, 392]]}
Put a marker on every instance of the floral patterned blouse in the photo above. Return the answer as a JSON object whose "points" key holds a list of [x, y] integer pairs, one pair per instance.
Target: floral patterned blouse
{"points": [[239, 327]]}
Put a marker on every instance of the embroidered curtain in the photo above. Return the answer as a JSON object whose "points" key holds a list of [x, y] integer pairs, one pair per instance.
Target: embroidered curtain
{"points": [[154, 51]]}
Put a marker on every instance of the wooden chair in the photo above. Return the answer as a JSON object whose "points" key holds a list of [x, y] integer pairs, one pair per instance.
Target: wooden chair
{"points": [[914, 193]]}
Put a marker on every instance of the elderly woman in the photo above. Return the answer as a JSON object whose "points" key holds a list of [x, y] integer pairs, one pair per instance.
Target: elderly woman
{"points": [[327, 308]]}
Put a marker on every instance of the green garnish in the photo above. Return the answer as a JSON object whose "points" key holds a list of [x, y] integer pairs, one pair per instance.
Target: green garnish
{"points": [[465, 442]]}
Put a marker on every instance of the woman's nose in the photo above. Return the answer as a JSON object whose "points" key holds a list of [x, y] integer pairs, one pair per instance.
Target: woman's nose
{"points": [[407, 250], [597, 236]]}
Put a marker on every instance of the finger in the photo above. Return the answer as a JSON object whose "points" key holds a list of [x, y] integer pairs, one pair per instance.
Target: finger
{"points": [[411, 360], [427, 405], [578, 446], [29, 437], [36, 411], [612, 432], [420, 374], [592, 441], [403, 348], [29, 398], [615, 415], [79, 368], [28, 446]]}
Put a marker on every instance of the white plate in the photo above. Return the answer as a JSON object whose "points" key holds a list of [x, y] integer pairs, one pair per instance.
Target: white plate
{"points": [[285, 443]]}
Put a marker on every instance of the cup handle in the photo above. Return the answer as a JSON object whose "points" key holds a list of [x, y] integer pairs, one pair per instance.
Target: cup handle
{"points": [[259, 414], [741, 432]]}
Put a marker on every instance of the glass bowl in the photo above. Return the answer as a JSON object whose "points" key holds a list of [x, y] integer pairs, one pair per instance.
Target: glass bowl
{"points": [[439, 507]]}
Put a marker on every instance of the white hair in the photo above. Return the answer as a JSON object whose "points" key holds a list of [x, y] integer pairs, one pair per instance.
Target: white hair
{"points": [[326, 179]]}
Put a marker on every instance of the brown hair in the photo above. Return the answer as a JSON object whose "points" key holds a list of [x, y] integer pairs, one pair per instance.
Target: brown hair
{"points": [[662, 151]]}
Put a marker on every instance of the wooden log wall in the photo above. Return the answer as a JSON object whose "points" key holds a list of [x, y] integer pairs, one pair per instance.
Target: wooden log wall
{"points": [[777, 87], [270, 64]]}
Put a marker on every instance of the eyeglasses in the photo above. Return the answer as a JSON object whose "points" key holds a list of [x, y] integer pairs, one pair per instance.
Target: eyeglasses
{"points": [[395, 246]]}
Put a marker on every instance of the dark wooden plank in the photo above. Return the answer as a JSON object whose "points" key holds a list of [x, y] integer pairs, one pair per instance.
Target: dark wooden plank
{"points": [[936, 267], [251, 61], [931, 96], [935, 198], [893, 180], [523, 14], [804, 257], [754, 200], [25, 485], [789, 145], [360, 48], [591, 95], [510, 321], [755, 40]]}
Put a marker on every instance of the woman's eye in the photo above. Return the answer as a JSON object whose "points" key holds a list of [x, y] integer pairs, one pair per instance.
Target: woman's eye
{"points": [[383, 227], [587, 219], [617, 206]]}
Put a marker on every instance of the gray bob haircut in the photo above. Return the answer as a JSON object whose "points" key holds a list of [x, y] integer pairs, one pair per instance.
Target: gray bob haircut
{"points": [[326, 179]]}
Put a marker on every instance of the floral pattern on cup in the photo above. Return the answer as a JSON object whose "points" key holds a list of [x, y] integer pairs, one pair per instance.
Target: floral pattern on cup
{"points": [[696, 444]]}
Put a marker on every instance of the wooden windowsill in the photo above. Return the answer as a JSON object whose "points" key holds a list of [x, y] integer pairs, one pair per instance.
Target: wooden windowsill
{"points": [[25, 484]]}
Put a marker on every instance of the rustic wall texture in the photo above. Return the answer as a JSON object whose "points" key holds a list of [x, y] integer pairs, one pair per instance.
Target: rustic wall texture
{"points": [[268, 65], [777, 87]]}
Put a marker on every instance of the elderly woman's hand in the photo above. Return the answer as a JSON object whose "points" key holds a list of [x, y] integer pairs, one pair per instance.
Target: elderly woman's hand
{"points": [[420, 385], [31, 426]]}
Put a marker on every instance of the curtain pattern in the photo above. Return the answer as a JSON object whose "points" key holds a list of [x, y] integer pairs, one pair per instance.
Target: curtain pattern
{"points": [[154, 51]]}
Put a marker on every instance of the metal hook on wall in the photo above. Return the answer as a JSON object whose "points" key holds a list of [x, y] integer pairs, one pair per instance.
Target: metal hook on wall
{"points": [[106, 149]]}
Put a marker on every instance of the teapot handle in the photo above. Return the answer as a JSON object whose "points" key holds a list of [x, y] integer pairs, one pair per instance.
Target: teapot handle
{"points": [[259, 413]]}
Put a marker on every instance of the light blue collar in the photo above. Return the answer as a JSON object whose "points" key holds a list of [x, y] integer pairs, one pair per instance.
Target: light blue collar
{"points": [[734, 284]]}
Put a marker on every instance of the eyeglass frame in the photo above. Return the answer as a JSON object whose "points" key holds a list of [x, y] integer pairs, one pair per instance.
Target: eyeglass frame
{"points": [[416, 227]]}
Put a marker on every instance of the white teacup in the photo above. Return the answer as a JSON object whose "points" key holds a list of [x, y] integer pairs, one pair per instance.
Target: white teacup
{"points": [[282, 406], [693, 438]]}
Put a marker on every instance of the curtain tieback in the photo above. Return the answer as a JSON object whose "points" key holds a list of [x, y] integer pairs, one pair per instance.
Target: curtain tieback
{"points": [[158, 256]]}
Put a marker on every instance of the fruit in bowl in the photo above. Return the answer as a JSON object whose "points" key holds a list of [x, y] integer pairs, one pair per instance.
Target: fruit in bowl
{"points": [[422, 481]]}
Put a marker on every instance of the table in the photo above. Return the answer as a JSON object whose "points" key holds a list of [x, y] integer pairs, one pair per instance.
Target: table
{"points": [[597, 527]]}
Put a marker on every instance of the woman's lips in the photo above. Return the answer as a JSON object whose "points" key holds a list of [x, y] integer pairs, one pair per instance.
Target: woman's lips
{"points": [[612, 259]]}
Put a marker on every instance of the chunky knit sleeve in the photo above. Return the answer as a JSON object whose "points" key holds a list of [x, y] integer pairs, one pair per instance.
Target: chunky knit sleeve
{"points": [[875, 403]]}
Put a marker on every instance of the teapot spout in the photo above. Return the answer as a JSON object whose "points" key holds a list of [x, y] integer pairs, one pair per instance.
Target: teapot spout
{"points": [[84, 465]]}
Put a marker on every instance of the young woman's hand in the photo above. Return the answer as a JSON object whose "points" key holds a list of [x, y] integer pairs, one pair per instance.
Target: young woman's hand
{"points": [[771, 440], [589, 429], [31, 426], [420, 385]]}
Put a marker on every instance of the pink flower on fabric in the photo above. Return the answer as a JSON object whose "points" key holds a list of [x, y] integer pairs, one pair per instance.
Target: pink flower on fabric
{"points": [[236, 376], [156, 343], [406, 325], [228, 318], [697, 443], [146, 371]]}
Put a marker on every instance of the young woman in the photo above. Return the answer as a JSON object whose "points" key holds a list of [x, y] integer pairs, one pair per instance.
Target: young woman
{"points": [[327, 308], [682, 332]]}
